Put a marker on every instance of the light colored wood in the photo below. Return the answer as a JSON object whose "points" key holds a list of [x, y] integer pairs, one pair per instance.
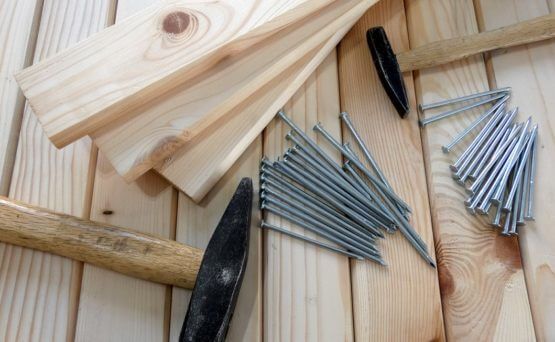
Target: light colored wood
{"points": [[307, 290], [401, 302], [530, 71], [18, 27], [113, 306], [195, 225], [119, 249], [445, 51], [195, 174], [481, 280], [39, 291], [152, 52], [134, 145]]}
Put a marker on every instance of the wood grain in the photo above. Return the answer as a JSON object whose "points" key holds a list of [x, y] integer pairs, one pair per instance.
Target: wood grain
{"points": [[193, 173], [131, 309], [39, 291], [18, 30], [195, 225], [136, 144], [482, 284], [122, 250], [150, 53], [307, 290], [530, 71], [401, 302], [449, 50]]}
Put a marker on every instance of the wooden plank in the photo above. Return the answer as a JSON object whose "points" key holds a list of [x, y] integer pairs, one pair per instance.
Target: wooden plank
{"points": [[530, 71], [135, 145], [39, 291], [307, 290], [158, 49], [401, 302], [114, 306], [195, 225], [193, 173], [482, 284], [18, 29]]}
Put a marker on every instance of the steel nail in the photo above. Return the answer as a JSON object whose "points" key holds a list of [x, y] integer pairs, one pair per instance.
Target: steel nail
{"points": [[521, 200], [292, 234], [518, 176], [424, 107], [321, 230], [496, 222], [424, 122], [495, 145], [507, 225], [497, 110], [529, 215], [488, 146], [318, 220], [512, 230], [318, 127], [447, 148]]}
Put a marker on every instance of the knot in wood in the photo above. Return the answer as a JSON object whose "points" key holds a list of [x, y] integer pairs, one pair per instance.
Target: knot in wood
{"points": [[176, 22]]}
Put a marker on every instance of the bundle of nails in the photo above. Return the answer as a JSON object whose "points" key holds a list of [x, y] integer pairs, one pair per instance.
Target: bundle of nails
{"points": [[498, 168], [348, 204]]}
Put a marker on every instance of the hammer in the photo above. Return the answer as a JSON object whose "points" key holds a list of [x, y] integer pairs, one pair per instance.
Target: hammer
{"points": [[390, 66], [215, 275]]}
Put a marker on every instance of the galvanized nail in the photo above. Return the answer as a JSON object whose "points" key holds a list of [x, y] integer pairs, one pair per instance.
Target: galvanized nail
{"points": [[424, 107], [529, 215]]}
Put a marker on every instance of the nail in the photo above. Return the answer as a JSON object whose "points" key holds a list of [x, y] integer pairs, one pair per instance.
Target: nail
{"points": [[520, 168], [520, 199], [497, 113], [505, 149], [512, 230], [319, 221], [513, 158], [347, 120], [424, 122], [487, 147], [496, 222], [424, 107], [309, 240], [354, 215], [447, 148], [318, 128], [317, 213], [495, 146], [507, 225], [311, 201], [529, 215], [324, 232]]}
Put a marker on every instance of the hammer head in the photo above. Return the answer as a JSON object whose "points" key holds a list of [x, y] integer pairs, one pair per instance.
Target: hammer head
{"points": [[388, 69]]}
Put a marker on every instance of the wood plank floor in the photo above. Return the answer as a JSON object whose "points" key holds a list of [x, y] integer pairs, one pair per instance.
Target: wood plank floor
{"points": [[486, 287]]}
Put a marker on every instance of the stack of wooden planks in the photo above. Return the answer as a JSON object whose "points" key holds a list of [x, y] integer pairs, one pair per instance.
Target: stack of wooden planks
{"points": [[203, 78]]}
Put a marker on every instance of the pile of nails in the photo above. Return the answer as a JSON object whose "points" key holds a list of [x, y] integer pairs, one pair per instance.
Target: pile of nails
{"points": [[348, 204], [497, 169]]}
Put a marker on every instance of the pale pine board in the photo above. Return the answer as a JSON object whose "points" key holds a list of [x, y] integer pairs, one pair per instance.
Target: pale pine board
{"points": [[401, 302], [39, 291], [18, 28], [167, 44], [530, 71], [136, 144], [307, 290], [195, 225], [113, 306], [482, 284]]}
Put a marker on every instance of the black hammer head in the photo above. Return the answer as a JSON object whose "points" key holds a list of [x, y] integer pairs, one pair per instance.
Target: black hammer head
{"points": [[221, 272], [388, 69]]}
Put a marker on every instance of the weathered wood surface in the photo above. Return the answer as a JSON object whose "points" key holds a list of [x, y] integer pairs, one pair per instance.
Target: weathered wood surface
{"points": [[18, 30], [136, 144], [161, 47], [401, 302], [39, 292], [482, 283], [530, 71], [307, 290]]}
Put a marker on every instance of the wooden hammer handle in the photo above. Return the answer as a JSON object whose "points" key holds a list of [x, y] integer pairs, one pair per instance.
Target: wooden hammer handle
{"points": [[125, 251], [449, 50]]}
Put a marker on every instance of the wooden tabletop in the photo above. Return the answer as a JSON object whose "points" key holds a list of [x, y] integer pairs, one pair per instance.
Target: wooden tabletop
{"points": [[486, 287]]}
